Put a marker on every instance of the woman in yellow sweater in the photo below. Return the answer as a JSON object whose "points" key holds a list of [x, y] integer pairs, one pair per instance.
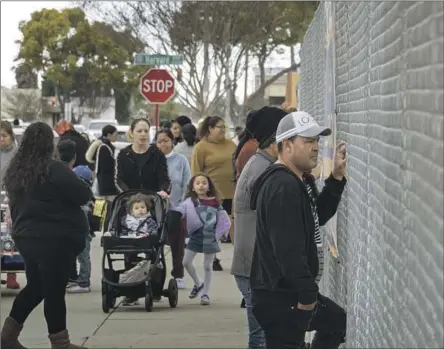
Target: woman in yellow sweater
{"points": [[213, 156]]}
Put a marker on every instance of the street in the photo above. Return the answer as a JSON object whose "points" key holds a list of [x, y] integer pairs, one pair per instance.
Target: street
{"points": [[190, 325]]}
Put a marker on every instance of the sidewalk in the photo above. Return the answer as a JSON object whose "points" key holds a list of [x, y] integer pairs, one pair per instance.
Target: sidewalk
{"points": [[190, 325]]}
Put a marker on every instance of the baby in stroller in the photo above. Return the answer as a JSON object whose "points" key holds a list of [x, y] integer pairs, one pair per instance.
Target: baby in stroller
{"points": [[139, 221]]}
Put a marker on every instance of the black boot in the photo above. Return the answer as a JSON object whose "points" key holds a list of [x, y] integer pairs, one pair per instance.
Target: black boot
{"points": [[216, 265]]}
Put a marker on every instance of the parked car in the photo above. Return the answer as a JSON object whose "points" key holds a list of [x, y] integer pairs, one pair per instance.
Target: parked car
{"points": [[19, 131], [94, 129], [122, 138], [79, 128]]}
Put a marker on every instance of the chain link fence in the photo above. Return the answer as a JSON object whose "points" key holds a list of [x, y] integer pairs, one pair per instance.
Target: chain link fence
{"points": [[388, 90]]}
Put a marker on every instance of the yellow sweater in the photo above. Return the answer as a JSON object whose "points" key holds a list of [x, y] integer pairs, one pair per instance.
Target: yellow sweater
{"points": [[215, 159]]}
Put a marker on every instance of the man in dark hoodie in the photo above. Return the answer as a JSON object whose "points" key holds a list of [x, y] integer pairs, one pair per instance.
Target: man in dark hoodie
{"points": [[285, 297], [263, 129]]}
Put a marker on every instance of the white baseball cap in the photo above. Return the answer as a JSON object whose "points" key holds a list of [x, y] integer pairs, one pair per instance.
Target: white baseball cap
{"points": [[299, 123]]}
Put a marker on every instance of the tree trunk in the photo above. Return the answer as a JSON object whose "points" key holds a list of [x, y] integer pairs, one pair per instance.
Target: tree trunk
{"points": [[122, 99], [292, 58], [244, 104]]}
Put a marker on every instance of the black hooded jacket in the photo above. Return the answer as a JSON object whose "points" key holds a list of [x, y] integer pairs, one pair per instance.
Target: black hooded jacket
{"points": [[285, 260], [142, 171], [81, 147]]}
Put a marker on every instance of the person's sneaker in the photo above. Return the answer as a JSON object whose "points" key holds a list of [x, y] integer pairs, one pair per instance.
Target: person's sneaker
{"points": [[129, 302], [78, 289], [71, 284], [205, 300], [180, 284], [195, 291], [216, 265]]}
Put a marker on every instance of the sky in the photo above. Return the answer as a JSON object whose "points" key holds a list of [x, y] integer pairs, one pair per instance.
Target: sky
{"points": [[12, 12]]}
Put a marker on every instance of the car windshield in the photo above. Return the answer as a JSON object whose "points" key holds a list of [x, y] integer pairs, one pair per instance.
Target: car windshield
{"points": [[98, 125], [122, 137]]}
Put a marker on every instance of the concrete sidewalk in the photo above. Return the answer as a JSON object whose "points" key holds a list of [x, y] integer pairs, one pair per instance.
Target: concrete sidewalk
{"points": [[190, 325]]}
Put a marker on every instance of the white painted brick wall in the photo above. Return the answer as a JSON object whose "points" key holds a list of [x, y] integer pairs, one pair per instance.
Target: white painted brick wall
{"points": [[389, 97]]}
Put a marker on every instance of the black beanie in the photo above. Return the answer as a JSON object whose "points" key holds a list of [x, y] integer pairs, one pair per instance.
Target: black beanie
{"points": [[183, 120], [262, 123]]}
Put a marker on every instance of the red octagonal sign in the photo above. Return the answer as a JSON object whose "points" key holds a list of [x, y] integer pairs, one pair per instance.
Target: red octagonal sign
{"points": [[158, 86]]}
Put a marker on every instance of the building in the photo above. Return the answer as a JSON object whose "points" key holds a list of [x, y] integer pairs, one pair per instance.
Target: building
{"points": [[282, 91]]}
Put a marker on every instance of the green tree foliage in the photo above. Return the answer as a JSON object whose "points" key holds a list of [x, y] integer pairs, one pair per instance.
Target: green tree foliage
{"points": [[78, 58]]}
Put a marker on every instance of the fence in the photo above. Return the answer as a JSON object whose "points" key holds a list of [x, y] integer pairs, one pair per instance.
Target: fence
{"points": [[387, 85]]}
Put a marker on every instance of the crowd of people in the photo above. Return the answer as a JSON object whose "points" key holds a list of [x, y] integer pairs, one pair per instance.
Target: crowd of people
{"points": [[258, 193]]}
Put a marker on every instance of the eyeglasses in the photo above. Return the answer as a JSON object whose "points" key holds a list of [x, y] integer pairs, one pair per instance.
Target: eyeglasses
{"points": [[165, 140], [221, 127]]}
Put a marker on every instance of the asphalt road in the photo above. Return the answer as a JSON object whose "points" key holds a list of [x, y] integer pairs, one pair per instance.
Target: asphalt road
{"points": [[190, 325]]}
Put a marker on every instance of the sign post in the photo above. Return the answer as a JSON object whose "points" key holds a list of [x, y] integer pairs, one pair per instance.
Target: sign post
{"points": [[158, 86], [157, 59]]}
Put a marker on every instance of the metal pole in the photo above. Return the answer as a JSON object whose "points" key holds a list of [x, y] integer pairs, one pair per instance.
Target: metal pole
{"points": [[156, 116]]}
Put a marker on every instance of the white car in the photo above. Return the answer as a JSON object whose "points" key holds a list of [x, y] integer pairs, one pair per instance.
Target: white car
{"points": [[94, 128], [79, 128], [122, 137], [19, 131]]}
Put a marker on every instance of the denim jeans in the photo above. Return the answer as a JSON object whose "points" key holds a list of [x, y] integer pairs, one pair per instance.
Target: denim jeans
{"points": [[255, 333], [84, 258]]}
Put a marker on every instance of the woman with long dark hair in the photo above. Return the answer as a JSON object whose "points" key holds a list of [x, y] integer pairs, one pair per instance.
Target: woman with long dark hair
{"points": [[180, 175], [49, 227], [186, 148]]}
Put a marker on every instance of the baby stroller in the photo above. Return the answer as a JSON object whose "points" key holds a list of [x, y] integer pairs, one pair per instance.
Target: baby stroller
{"points": [[151, 286]]}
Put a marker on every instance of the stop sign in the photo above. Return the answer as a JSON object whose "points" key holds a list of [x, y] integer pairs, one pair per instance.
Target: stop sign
{"points": [[157, 86]]}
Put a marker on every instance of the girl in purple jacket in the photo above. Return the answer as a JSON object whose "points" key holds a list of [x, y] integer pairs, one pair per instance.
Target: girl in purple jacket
{"points": [[207, 222]]}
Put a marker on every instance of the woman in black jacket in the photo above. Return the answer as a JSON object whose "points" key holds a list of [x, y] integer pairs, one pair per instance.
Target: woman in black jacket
{"points": [[142, 165], [49, 228]]}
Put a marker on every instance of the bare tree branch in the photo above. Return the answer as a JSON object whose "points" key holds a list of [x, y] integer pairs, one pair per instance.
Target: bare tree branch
{"points": [[25, 104]]}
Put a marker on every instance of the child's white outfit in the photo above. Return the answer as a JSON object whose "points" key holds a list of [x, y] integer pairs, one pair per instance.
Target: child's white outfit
{"points": [[207, 222], [141, 226]]}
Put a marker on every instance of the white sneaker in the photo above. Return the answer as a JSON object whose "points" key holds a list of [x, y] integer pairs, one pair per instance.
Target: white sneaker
{"points": [[205, 300], [78, 289], [71, 284], [180, 284]]}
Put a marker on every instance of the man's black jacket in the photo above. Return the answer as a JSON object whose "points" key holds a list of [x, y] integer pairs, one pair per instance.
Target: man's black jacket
{"points": [[285, 260]]}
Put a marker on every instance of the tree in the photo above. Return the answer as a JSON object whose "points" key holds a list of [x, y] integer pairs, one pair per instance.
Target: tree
{"points": [[76, 57], [25, 77], [25, 104], [213, 37], [171, 25]]}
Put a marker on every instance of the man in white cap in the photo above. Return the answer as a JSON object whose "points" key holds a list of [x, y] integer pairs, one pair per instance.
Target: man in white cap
{"points": [[289, 210]]}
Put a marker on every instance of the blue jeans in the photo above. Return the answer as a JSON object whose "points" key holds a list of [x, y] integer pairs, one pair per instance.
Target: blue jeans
{"points": [[84, 258], [255, 332]]}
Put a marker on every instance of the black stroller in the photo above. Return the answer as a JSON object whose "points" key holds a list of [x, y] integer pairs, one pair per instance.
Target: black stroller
{"points": [[152, 248]]}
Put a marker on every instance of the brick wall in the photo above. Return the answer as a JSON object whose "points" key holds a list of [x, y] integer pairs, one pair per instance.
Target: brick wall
{"points": [[389, 96]]}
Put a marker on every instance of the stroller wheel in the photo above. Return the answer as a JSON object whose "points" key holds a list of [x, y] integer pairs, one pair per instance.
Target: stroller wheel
{"points": [[106, 303], [173, 293], [148, 300]]}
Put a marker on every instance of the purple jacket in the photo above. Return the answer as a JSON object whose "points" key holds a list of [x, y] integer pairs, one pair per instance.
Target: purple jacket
{"points": [[194, 223]]}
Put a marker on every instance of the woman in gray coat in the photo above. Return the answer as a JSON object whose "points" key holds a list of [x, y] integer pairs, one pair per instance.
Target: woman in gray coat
{"points": [[8, 146]]}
